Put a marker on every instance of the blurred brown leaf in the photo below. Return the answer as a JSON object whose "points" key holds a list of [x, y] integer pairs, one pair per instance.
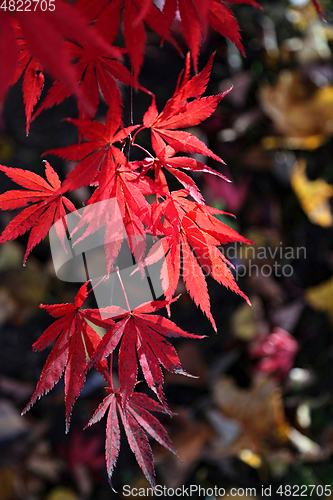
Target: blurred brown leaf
{"points": [[257, 158], [15, 389], [301, 111], [312, 45], [320, 297], [11, 256], [258, 410], [7, 484], [43, 463]]}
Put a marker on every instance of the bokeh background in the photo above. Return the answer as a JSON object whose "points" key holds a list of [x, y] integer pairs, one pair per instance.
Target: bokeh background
{"points": [[261, 410]]}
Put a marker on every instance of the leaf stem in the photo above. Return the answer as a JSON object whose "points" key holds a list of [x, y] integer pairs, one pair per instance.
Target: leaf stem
{"points": [[111, 373], [122, 286], [96, 284], [129, 140], [143, 149]]}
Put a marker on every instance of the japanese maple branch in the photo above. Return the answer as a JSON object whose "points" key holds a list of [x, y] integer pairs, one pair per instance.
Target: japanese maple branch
{"points": [[129, 140]]}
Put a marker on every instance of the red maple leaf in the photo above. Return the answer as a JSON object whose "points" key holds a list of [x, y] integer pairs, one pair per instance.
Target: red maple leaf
{"points": [[46, 205], [135, 13], [97, 72], [195, 15], [179, 112], [191, 229], [144, 334], [32, 86], [33, 78], [97, 156], [75, 338], [138, 422], [173, 163]]}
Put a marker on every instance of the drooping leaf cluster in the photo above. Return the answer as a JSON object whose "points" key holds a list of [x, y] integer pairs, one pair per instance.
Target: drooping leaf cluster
{"points": [[75, 44]]}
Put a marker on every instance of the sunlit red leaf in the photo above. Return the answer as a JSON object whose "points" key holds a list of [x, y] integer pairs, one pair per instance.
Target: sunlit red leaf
{"points": [[48, 205], [181, 113]]}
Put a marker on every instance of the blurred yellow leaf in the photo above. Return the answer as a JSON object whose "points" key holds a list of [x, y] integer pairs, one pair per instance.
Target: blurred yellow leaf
{"points": [[309, 143], [251, 459], [7, 147], [302, 16], [313, 195], [62, 493], [313, 45], [320, 297], [243, 323]]}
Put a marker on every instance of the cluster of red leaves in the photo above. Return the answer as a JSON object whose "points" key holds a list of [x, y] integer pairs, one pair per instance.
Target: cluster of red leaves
{"points": [[74, 44], [188, 235], [23, 41]]}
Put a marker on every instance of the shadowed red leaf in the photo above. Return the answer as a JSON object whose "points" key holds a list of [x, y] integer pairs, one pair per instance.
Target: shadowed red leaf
{"points": [[138, 422]]}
